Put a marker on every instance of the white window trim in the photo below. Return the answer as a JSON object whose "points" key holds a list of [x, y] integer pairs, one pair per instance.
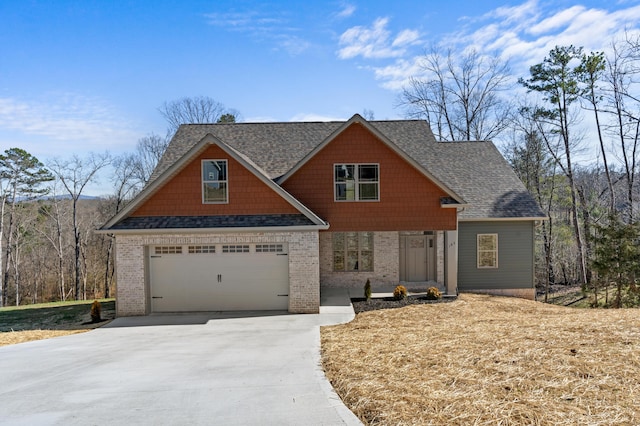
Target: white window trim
{"points": [[203, 181], [478, 251], [357, 186]]}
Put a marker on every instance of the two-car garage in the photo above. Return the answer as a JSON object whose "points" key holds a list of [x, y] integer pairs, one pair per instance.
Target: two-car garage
{"points": [[218, 277]]}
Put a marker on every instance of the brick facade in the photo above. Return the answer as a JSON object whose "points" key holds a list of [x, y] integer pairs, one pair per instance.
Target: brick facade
{"points": [[133, 286], [385, 272], [386, 262]]}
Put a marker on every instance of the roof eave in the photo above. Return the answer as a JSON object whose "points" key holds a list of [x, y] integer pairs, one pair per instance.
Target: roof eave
{"points": [[297, 228], [454, 206], [503, 219]]}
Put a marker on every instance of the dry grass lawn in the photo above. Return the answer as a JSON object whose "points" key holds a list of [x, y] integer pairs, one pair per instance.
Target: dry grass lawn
{"points": [[485, 360], [13, 337]]}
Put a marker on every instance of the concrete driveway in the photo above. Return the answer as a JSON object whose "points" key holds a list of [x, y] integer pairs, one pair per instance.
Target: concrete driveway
{"points": [[254, 369]]}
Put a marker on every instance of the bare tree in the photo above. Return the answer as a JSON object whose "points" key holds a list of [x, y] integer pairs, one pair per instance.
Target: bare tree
{"points": [[623, 108], [74, 175], [368, 114], [199, 109], [143, 161], [51, 211], [460, 95]]}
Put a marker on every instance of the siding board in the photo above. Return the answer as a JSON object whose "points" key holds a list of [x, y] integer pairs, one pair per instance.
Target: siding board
{"points": [[515, 256]]}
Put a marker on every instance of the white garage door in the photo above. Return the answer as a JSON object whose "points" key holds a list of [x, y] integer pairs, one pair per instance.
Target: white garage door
{"points": [[221, 277]]}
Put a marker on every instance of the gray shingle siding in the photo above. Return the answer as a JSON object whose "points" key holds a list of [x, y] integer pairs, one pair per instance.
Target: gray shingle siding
{"points": [[515, 256]]}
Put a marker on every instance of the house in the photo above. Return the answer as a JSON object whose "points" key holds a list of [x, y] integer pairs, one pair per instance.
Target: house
{"points": [[261, 216]]}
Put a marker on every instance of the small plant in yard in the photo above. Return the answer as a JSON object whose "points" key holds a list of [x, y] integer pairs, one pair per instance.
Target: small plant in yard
{"points": [[367, 290], [400, 292], [433, 294], [96, 310]]}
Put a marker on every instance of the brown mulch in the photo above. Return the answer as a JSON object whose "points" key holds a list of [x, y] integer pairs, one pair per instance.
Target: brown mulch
{"points": [[364, 305], [486, 360]]}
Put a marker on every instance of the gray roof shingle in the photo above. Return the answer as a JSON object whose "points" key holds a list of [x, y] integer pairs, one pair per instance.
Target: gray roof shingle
{"points": [[197, 222], [476, 171]]}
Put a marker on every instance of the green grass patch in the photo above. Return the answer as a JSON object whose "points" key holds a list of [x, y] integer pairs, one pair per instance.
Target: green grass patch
{"points": [[71, 315], [54, 304]]}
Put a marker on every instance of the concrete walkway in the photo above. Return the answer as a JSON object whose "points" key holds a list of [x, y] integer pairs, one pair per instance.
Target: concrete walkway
{"points": [[243, 369]]}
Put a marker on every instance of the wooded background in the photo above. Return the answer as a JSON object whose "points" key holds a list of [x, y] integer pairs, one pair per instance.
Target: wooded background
{"points": [[570, 129]]}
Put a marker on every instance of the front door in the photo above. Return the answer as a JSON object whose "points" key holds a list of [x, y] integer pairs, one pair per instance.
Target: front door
{"points": [[417, 258]]}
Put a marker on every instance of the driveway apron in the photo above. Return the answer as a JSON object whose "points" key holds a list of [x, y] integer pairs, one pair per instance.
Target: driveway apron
{"points": [[209, 369]]}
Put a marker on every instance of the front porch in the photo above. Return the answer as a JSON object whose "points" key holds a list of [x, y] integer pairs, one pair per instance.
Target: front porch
{"points": [[416, 259]]}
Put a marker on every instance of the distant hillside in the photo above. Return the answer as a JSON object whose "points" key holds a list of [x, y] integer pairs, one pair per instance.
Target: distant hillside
{"points": [[57, 197]]}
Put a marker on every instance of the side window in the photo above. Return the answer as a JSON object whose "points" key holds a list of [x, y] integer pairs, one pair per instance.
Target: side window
{"points": [[214, 181], [356, 182], [487, 245]]}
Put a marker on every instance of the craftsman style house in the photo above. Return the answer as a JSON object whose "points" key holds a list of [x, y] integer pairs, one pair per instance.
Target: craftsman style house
{"points": [[261, 216]]}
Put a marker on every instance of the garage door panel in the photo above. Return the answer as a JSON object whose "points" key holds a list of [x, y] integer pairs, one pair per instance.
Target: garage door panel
{"points": [[219, 281]]}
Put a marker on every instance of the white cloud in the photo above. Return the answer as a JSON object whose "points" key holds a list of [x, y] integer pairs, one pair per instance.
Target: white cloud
{"points": [[63, 123], [347, 11], [250, 21], [523, 34], [397, 75], [406, 37], [272, 26], [375, 42], [557, 21], [292, 44], [539, 29]]}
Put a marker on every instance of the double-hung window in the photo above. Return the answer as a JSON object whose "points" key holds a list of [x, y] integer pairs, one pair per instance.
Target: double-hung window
{"points": [[487, 250], [356, 182], [214, 181], [353, 251]]}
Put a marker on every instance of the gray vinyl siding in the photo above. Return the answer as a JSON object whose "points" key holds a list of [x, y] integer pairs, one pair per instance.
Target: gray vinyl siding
{"points": [[515, 256]]}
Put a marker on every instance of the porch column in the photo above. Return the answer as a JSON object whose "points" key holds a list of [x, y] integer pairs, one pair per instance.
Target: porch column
{"points": [[451, 262]]}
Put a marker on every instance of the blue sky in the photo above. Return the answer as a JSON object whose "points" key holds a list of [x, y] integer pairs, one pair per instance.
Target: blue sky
{"points": [[81, 76]]}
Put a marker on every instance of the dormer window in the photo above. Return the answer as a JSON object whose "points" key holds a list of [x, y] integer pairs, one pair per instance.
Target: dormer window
{"points": [[214, 181], [356, 182]]}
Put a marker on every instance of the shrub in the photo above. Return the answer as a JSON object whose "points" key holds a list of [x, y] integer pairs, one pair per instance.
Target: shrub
{"points": [[96, 310], [433, 294], [400, 292], [367, 290]]}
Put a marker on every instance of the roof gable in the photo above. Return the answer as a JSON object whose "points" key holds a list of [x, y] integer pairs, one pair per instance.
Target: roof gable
{"points": [[192, 154], [357, 119]]}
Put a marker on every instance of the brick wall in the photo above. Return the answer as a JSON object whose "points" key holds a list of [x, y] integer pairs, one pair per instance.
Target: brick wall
{"points": [[304, 275], [386, 257], [408, 199]]}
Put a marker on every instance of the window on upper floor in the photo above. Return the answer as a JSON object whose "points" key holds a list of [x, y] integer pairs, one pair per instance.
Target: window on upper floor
{"points": [[487, 251], [353, 251], [214, 181], [356, 182]]}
